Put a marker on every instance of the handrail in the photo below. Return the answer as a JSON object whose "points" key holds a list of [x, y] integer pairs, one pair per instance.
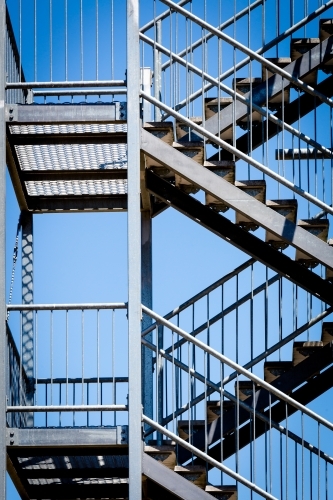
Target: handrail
{"points": [[66, 307]]}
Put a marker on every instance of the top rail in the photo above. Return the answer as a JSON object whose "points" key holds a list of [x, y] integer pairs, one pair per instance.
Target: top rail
{"points": [[65, 307]]}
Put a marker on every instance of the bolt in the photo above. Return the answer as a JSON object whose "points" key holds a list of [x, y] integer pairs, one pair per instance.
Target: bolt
{"points": [[10, 118], [12, 441], [11, 110], [11, 434]]}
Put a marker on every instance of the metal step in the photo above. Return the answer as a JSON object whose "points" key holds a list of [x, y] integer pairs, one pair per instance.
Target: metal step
{"points": [[325, 28], [194, 151], [287, 208], [256, 189], [302, 350], [244, 389], [245, 86], [327, 332], [273, 369], [275, 102], [222, 492], [213, 105], [298, 47], [226, 170], [196, 474], [163, 131], [188, 428], [317, 227], [183, 130], [164, 454], [214, 409]]}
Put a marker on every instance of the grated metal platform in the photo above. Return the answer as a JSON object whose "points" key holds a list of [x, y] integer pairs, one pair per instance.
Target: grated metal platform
{"points": [[69, 157]]}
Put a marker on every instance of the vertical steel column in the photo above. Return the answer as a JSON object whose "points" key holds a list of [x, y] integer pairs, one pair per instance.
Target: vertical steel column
{"points": [[157, 71], [27, 316], [2, 254], [147, 300], [134, 251]]}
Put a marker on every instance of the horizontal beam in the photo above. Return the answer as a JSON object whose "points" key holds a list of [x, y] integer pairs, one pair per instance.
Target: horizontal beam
{"points": [[67, 307], [64, 408], [73, 175], [58, 438], [66, 84], [56, 491], [34, 114], [243, 240], [80, 203], [237, 199], [80, 472], [69, 138]]}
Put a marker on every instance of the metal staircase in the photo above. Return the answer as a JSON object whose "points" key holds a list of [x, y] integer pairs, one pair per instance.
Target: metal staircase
{"points": [[232, 128]]}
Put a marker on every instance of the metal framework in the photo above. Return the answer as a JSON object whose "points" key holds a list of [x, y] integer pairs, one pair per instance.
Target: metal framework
{"points": [[225, 116]]}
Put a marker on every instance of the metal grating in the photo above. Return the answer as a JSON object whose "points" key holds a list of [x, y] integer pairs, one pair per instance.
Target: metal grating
{"points": [[72, 156], [77, 187]]}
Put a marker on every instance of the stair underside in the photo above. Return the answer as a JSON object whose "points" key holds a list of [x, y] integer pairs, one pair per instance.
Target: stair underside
{"points": [[69, 463], [86, 463]]}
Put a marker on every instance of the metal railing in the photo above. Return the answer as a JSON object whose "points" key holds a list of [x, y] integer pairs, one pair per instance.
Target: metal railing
{"points": [[240, 432], [79, 358]]}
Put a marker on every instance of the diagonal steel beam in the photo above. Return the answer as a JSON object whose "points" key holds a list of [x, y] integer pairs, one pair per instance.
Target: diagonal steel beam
{"points": [[243, 240], [236, 199]]}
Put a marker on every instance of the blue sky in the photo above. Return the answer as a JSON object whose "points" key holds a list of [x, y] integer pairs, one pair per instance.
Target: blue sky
{"points": [[83, 257]]}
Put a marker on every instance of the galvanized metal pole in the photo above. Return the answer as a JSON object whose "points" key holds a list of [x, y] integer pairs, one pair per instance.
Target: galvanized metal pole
{"points": [[2, 255], [147, 298], [134, 252], [157, 71], [27, 316]]}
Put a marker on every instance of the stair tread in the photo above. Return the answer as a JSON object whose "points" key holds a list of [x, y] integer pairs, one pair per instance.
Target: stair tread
{"points": [[222, 492], [194, 473], [327, 332], [273, 369], [301, 350], [287, 208]]}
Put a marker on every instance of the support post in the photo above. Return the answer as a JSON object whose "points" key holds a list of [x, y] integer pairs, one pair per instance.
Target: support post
{"points": [[157, 71], [2, 255], [134, 252], [147, 300], [27, 316]]}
